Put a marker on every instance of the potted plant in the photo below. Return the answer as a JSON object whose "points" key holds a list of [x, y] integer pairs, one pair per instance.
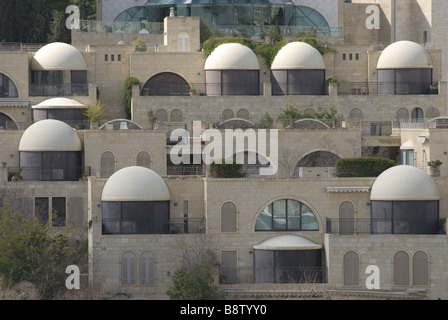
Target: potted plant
{"points": [[192, 92], [434, 167], [17, 175], [4, 164], [145, 92]]}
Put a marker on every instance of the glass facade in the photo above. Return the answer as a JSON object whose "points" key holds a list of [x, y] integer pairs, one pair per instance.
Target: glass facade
{"points": [[136, 217], [51, 165], [405, 217], [228, 12], [288, 266]]}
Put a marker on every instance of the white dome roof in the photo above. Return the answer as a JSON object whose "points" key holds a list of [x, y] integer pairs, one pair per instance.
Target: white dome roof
{"points": [[135, 184], [50, 135], [404, 54], [59, 103], [287, 242], [298, 55], [232, 56], [58, 56], [404, 183]]}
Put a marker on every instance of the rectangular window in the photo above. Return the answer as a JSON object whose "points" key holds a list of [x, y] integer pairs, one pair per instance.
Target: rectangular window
{"points": [[119, 57], [58, 208], [344, 56], [112, 57], [407, 157], [106, 57], [350, 56], [425, 36], [41, 208], [357, 56]]}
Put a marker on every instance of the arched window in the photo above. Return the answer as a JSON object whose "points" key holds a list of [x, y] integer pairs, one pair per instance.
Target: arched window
{"points": [[167, 84], [420, 268], [401, 268], [183, 42], [6, 122], [107, 164], [346, 218], [147, 268], [319, 159], [228, 114], [417, 114], [228, 217], [162, 115], [176, 116], [243, 114], [351, 268], [7, 87], [402, 114], [190, 259], [128, 268], [143, 159], [286, 215], [355, 114]]}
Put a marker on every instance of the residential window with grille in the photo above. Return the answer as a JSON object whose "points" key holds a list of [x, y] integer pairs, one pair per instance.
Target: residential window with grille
{"points": [[401, 268], [128, 268], [147, 268]]}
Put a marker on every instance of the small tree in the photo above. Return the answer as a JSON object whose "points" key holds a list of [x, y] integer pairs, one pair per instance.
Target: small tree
{"points": [[30, 252], [94, 112], [196, 284]]}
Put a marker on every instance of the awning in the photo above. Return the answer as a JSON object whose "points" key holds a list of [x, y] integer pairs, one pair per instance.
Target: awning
{"points": [[287, 242], [422, 139], [408, 145]]}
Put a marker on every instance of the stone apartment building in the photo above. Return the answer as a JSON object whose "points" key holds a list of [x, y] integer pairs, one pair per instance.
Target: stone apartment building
{"points": [[270, 235]]}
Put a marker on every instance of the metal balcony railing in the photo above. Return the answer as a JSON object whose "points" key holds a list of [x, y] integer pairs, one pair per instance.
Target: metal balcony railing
{"points": [[53, 90], [187, 225], [381, 226], [272, 275]]}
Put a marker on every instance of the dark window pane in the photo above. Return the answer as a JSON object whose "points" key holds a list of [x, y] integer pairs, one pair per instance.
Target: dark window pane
{"points": [[41, 208], [58, 211]]}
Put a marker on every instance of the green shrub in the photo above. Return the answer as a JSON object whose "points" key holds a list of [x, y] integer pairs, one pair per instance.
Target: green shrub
{"points": [[223, 170], [127, 94], [362, 167], [211, 43]]}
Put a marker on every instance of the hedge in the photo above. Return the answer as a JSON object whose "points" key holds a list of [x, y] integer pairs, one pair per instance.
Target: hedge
{"points": [[362, 167], [223, 170]]}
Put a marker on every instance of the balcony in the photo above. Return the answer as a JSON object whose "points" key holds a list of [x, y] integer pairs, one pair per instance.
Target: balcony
{"points": [[381, 226], [59, 173], [59, 90], [385, 88], [279, 275], [187, 225]]}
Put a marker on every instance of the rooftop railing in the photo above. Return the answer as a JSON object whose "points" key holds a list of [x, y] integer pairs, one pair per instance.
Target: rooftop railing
{"points": [[20, 47], [229, 30]]}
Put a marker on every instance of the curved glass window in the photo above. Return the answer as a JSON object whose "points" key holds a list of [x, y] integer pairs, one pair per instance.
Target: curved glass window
{"points": [[167, 84], [286, 215], [7, 87], [228, 12]]}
